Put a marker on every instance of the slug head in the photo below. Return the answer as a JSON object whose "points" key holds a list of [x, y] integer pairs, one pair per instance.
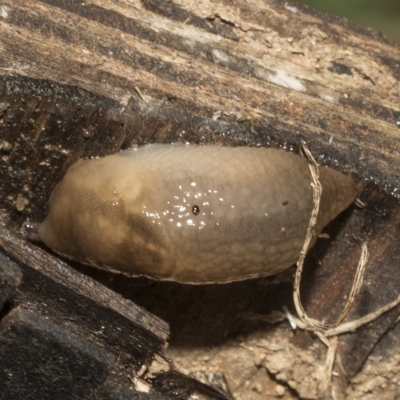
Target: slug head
{"points": [[95, 217]]}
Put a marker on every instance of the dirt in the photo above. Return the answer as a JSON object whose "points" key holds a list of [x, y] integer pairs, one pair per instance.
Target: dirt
{"points": [[288, 364], [258, 366]]}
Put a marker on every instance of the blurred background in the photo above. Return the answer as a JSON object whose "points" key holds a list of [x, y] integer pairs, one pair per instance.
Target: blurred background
{"points": [[383, 15]]}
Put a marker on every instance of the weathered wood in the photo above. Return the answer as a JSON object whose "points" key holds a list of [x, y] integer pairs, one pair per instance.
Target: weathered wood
{"points": [[42, 360], [10, 279], [169, 383], [89, 78], [41, 267], [59, 323]]}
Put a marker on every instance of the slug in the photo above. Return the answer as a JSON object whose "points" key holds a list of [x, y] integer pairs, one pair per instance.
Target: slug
{"points": [[192, 214]]}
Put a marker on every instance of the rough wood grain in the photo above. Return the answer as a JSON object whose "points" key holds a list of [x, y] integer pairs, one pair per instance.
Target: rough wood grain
{"points": [[88, 78], [63, 275], [57, 322]]}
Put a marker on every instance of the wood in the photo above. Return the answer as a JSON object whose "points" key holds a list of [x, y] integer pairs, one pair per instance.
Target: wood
{"points": [[61, 328], [89, 78], [33, 349], [39, 265]]}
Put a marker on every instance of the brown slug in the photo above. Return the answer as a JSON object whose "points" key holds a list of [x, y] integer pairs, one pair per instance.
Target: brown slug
{"points": [[193, 214]]}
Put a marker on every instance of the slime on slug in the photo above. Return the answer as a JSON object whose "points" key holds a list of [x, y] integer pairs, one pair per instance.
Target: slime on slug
{"points": [[192, 214]]}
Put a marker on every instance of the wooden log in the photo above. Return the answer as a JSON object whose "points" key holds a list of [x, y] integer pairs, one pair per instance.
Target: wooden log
{"points": [[62, 330], [84, 79], [34, 351]]}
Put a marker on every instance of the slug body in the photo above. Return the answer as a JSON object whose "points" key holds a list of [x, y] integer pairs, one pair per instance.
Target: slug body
{"points": [[193, 214]]}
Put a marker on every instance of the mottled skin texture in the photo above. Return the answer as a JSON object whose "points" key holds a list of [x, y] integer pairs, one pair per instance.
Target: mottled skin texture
{"points": [[133, 212]]}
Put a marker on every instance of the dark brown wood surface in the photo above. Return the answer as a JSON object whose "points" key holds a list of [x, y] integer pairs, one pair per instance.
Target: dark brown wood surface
{"points": [[85, 79]]}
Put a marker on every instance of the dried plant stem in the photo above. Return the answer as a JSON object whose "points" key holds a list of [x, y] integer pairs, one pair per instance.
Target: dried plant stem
{"points": [[311, 323], [324, 330]]}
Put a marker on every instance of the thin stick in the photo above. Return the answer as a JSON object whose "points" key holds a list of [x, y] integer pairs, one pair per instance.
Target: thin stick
{"points": [[350, 326], [311, 323], [357, 284], [317, 192], [332, 345], [139, 92], [366, 319]]}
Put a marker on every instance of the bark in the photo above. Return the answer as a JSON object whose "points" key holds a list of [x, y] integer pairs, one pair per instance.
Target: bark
{"points": [[84, 79]]}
